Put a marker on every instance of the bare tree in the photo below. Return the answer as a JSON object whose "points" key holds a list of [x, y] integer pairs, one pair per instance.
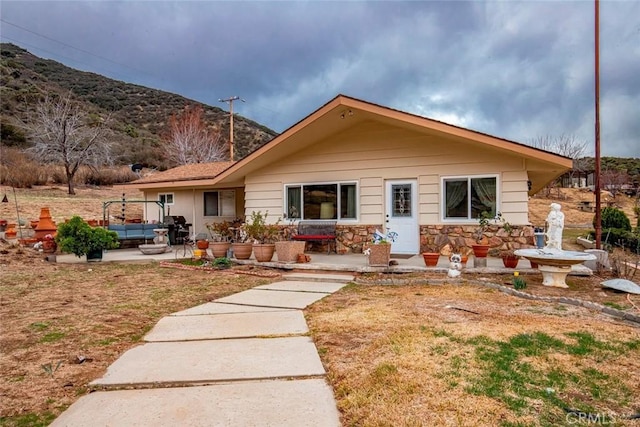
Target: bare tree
{"points": [[189, 140], [614, 180], [564, 145], [63, 134]]}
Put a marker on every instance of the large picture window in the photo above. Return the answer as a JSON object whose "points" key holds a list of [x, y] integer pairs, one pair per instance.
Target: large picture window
{"points": [[321, 201], [465, 198], [220, 203]]}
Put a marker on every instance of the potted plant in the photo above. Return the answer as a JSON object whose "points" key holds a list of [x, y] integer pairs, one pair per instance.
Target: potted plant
{"points": [[509, 258], [263, 235], [379, 250], [221, 235], [480, 249], [431, 253], [241, 246], [79, 238], [287, 249]]}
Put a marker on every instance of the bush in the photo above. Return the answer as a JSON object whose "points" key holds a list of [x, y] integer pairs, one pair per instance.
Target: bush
{"points": [[79, 238], [614, 218], [18, 170], [619, 238]]}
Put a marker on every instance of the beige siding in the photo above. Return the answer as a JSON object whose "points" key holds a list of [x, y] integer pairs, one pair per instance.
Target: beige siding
{"points": [[190, 204], [372, 153]]}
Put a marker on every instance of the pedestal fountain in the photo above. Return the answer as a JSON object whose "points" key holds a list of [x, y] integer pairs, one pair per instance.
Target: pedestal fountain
{"points": [[553, 262]]}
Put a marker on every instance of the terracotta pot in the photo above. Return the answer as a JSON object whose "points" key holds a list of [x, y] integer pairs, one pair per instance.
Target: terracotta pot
{"points": [[431, 258], [49, 246], [264, 251], [219, 249], [92, 222], [202, 244], [242, 250], [480, 251], [33, 224], [510, 261]]}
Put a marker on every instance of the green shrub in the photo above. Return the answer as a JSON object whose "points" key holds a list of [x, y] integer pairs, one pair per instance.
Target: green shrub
{"points": [[614, 218], [519, 283], [222, 263], [79, 238], [616, 237]]}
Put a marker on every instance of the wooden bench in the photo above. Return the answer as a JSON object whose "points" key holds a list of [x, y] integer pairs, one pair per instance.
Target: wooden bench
{"points": [[317, 231]]}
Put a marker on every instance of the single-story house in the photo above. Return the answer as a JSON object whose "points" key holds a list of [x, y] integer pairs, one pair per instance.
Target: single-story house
{"points": [[368, 167]]}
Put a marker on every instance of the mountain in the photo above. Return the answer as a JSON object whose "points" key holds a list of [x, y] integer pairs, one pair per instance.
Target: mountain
{"points": [[139, 114]]}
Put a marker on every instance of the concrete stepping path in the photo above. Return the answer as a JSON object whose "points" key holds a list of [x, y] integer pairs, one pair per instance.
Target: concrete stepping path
{"points": [[193, 362], [266, 403], [269, 298], [229, 325], [241, 360], [220, 308]]}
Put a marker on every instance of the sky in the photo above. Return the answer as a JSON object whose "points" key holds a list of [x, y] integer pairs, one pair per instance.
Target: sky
{"points": [[520, 70]]}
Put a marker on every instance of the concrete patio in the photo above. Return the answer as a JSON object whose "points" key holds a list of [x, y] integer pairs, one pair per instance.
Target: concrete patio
{"points": [[321, 261]]}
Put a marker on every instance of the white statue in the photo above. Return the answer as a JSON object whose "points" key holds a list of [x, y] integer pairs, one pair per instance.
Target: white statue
{"points": [[455, 266], [555, 225]]}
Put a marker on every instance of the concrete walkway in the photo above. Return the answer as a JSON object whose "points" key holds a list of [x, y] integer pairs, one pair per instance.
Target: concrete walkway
{"points": [[241, 360]]}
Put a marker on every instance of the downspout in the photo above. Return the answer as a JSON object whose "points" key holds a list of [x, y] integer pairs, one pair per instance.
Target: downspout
{"points": [[193, 213]]}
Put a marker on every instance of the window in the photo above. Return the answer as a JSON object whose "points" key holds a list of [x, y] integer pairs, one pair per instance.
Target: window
{"points": [[166, 198], [321, 201], [220, 203], [467, 197]]}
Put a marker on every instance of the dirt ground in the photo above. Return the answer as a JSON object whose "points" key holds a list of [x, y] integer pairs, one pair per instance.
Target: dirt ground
{"points": [[62, 325]]}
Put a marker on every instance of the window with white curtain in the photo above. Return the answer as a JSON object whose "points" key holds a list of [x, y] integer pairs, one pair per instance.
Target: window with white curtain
{"points": [[321, 201], [465, 198]]}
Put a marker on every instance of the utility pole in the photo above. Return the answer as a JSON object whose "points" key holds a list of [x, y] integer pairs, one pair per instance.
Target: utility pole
{"points": [[598, 219], [230, 102]]}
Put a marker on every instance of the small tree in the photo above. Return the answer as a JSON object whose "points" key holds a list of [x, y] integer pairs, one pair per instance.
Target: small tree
{"points": [[189, 140], [63, 134], [564, 145]]}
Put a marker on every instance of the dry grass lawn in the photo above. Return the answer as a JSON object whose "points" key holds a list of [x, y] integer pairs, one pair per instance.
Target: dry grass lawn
{"points": [[395, 355], [466, 355]]}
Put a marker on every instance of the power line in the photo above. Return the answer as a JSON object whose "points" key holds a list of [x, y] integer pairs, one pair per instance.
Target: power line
{"points": [[56, 55], [74, 47]]}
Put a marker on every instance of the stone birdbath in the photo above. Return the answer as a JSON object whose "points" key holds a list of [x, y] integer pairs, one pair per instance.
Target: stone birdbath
{"points": [[553, 262]]}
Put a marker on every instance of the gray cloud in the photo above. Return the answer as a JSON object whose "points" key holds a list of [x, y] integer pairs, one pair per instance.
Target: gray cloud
{"points": [[517, 70]]}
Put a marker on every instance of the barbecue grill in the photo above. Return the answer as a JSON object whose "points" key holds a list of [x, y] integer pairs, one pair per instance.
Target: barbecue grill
{"points": [[178, 228]]}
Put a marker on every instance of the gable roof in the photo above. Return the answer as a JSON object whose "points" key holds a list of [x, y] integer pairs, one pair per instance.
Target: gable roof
{"points": [[185, 173], [343, 112]]}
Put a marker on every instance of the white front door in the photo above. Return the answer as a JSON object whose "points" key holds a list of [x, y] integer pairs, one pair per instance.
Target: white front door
{"points": [[401, 215]]}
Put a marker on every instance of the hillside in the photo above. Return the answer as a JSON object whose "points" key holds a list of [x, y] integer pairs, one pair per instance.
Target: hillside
{"points": [[139, 113]]}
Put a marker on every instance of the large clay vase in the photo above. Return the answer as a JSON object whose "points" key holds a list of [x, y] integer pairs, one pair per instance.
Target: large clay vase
{"points": [[431, 258], [219, 249], [480, 251], [510, 261], [242, 250], [263, 252]]}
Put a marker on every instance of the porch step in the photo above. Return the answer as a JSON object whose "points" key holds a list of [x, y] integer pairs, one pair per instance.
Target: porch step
{"points": [[319, 277]]}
